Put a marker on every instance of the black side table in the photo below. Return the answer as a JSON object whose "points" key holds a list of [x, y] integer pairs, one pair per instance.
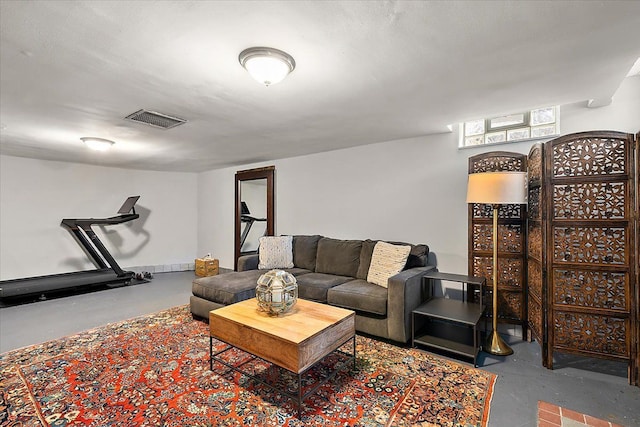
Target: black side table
{"points": [[450, 324]]}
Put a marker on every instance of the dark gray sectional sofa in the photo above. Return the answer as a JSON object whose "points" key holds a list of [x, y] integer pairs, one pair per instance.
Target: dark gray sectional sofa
{"points": [[333, 272]]}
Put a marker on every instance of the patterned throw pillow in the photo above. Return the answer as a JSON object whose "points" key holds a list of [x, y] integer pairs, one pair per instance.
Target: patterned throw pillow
{"points": [[387, 260], [275, 252]]}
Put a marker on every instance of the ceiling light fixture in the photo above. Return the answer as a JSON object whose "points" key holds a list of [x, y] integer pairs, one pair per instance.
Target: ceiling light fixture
{"points": [[98, 144], [267, 65]]}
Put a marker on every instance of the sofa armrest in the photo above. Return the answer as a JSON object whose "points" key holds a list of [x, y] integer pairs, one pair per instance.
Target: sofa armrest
{"points": [[404, 294], [248, 262]]}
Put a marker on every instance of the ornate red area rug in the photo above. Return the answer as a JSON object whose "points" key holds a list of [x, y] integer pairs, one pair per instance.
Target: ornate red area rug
{"points": [[154, 371]]}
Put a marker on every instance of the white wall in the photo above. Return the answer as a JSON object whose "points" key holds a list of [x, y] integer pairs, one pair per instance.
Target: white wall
{"points": [[35, 195], [216, 210], [411, 190]]}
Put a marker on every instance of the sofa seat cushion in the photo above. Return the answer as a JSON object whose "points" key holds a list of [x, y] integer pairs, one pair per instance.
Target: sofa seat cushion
{"points": [[295, 271], [314, 286], [359, 295], [227, 288]]}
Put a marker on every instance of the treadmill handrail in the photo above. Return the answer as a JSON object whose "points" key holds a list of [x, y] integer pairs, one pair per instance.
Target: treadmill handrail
{"points": [[119, 219], [248, 218], [88, 239]]}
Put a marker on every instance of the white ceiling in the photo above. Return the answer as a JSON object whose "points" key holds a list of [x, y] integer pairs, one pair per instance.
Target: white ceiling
{"points": [[367, 71]]}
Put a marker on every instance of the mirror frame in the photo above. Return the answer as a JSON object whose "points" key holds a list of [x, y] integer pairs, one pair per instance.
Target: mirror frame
{"points": [[267, 173]]}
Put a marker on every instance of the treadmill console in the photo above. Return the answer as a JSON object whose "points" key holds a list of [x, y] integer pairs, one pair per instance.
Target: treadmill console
{"points": [[128, 205]]}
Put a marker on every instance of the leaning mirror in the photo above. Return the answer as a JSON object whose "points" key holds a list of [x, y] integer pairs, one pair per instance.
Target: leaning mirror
{"points": [[254, 209]]}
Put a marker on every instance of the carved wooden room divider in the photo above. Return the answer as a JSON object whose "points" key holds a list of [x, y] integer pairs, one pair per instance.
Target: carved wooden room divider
{"points": [[536, 235], [582, 251], [637, 216], [511, 244]]}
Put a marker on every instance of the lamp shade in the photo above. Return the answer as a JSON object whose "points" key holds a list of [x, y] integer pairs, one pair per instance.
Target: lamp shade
{"points": [[499, 188]]}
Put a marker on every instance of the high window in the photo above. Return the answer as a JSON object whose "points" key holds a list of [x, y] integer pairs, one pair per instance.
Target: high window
{"points": [[533, 124]]}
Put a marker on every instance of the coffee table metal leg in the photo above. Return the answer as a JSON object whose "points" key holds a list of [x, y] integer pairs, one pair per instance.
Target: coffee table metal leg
{"points": [[354, 352], [299, 394]]}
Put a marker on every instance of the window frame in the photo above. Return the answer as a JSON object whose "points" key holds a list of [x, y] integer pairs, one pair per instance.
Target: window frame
{"points": [[526, 118], [488, 129]]}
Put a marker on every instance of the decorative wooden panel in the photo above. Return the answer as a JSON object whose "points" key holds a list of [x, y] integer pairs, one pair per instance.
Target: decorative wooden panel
{"points": [[509, 238], [593, 200], [590, 245], [509, 271], [512, 305], [588, 234], [536, 291], [591, 334], [591, 289], [636, 338]]}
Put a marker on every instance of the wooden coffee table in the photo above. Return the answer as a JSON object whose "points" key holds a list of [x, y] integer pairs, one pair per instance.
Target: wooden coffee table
{"points": [[295, 341]]}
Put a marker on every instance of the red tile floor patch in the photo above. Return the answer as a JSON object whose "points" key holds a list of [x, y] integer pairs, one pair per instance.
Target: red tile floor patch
{"points": [[550, 415]]}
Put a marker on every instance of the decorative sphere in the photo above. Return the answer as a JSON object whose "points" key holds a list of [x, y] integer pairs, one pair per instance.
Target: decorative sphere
{"points": [[277, 292]]}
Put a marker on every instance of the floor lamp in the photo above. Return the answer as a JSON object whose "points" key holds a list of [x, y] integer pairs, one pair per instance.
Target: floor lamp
{"points": [[495, 189]]}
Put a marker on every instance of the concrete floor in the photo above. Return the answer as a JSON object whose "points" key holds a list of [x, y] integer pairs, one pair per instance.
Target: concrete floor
{"points": [[595, 387]]}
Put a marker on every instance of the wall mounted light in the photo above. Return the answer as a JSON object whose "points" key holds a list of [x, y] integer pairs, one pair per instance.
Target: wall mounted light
{"points": [[267, 65], [98, 144]]}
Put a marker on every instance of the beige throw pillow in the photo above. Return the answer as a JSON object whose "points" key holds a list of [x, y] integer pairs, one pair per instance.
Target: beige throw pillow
{"points": [[275, 252], [387, 260]]}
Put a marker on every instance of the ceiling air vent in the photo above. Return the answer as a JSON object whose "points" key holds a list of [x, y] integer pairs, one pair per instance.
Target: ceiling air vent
{"points": [[155, 119]]}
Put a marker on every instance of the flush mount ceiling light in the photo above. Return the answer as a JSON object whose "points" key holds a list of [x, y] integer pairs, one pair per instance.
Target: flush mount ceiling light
{"points": [[267, 65], [98, 144]]}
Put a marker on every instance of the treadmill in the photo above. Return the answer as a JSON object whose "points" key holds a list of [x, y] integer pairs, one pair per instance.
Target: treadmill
{"points": [[108, 272], [248, 221]]}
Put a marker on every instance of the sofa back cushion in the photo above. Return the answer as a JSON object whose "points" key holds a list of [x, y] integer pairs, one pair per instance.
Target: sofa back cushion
{"points": [[365, 258], [417, 257], [305, 249], [275, 252], [387, 260], [339, 257]]}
